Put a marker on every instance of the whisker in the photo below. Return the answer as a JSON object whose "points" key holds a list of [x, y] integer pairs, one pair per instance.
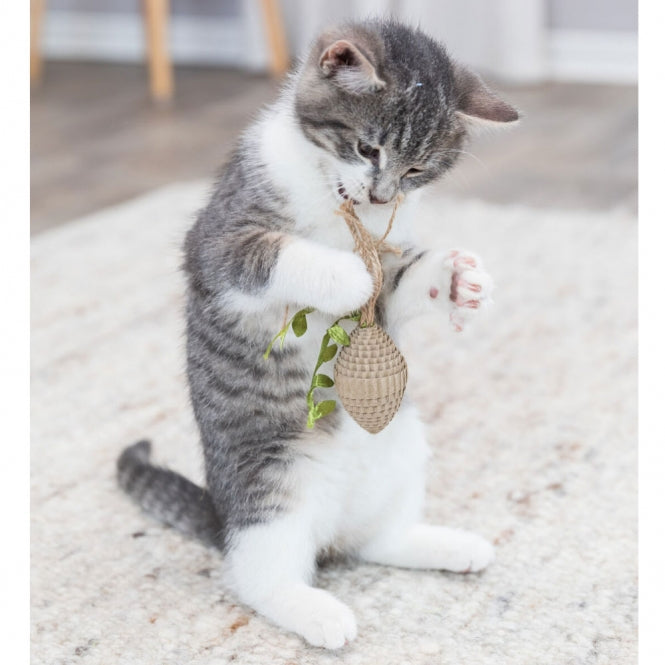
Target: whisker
{"points": [[466, 152]]}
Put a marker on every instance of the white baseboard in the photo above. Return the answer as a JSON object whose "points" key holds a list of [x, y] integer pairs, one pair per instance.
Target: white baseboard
{"points": [[120, 38], [591, 56]]}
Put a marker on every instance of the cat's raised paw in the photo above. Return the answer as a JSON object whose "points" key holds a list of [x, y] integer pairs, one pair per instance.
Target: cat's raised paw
{"points": [[308, 273], [470, 287], [351, 284], [344, 283]]}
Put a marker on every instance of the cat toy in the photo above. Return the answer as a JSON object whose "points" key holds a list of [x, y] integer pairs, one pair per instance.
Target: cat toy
{"points": [[370, 372]]}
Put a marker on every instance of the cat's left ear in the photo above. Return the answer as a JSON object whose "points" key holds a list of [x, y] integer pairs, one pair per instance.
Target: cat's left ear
{"points": [[348, 67], [477, 105]]}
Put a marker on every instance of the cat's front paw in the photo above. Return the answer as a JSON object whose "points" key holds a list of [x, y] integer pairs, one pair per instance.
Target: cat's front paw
{"points": [[468, 289], [312, 275], [346, 285]]}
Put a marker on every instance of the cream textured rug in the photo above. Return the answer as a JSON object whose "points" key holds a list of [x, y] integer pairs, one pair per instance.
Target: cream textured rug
{"points": [[532, 416]]}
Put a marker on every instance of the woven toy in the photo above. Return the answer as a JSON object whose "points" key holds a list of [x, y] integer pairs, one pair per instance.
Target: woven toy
{"points": [[370, 372]]}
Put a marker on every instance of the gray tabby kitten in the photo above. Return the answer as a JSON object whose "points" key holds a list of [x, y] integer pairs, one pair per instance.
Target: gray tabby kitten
{"points": [[375, 110]]}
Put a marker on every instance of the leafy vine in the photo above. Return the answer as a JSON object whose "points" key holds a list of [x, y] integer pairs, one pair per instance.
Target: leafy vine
{"points": [[334, 337]]}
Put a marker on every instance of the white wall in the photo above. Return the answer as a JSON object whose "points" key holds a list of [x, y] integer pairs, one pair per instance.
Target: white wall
{"points": [[595, 15], [561, 14], [216, 32], [592, 40], [522, 40], [178, 7]]}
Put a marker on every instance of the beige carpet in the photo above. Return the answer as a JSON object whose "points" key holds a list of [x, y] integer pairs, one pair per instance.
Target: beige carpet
{"points": [[532, 417]]}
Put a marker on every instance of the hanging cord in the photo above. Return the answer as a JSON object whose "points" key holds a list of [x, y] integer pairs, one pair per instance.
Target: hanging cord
{"points": [[368, 249]]}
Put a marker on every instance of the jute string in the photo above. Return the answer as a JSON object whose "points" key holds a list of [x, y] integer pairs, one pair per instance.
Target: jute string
{"points": [[369, 249]]}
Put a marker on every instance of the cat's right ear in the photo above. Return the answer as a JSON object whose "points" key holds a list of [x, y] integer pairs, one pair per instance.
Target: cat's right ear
{"points": [[347, 67], [477, 105]]}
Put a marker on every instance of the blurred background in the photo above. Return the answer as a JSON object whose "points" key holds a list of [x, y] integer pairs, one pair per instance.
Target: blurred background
{"points": [[129, 95]]}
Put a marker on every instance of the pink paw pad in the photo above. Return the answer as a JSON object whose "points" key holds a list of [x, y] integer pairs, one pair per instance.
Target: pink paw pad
{"points": [[470, 287], [464, 261]]}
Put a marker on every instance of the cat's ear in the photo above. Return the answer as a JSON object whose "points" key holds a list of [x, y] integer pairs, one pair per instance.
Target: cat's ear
{"points": [[477, 105], [346, 65]]}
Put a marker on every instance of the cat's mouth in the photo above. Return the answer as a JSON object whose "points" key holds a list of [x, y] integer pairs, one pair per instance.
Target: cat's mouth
{"points": [[341, 190]]}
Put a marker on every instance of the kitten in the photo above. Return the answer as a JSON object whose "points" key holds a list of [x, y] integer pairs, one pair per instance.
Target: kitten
{"points": [[376, 109]]}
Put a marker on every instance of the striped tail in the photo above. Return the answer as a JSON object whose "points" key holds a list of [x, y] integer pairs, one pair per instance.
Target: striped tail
{"points": [[168, 496]]}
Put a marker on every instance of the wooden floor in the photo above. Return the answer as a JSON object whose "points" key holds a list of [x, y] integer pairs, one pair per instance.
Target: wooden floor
{"points": [[96, 140]]}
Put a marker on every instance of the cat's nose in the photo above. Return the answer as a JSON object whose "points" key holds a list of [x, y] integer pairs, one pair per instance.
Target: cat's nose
{"points": [[376, 199]]}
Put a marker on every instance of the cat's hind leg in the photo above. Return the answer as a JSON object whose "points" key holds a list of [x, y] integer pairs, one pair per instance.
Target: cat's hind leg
{"points": [[401, 539], [270, 567], [429, 546]]}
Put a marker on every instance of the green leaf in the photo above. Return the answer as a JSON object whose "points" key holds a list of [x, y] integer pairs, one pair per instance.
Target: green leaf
{"points": [[299, 324], [325, 407], [338, 334], [328, 353], [322, 381]]}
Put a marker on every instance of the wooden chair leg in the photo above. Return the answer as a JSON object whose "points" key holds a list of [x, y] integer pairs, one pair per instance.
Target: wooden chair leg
{"points": [[156, 17], [36, 21], [279, 54]]}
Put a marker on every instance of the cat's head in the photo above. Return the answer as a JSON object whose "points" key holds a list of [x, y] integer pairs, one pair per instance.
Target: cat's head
{"points": [[388, 108]]}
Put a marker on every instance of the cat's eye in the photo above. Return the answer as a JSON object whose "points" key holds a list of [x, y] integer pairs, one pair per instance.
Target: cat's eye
{"points": [[369, 152], [412, 173]]}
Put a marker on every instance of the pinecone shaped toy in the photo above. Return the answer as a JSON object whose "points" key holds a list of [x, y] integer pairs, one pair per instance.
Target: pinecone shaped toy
{"points": [[370, 373]]}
